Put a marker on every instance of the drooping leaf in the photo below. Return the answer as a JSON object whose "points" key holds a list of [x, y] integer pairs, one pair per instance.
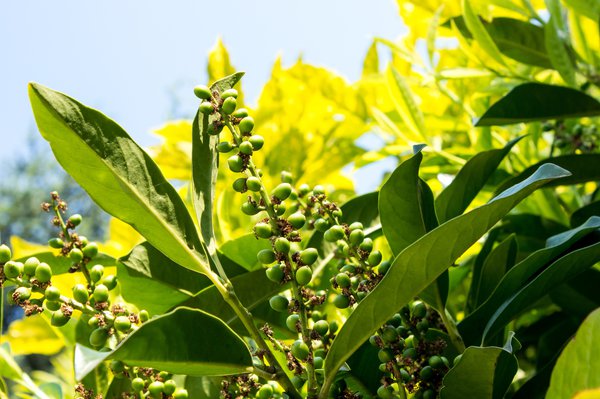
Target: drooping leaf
{"points": [[578, 367], [422, 262], [530, 102], [118, 174], [184, 341], [471, 178]]}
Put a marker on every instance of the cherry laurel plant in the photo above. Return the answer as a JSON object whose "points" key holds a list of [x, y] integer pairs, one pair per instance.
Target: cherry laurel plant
{"points": [[342, 320]]}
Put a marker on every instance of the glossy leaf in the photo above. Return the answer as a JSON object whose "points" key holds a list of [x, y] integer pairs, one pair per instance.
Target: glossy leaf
{"points": [[471, 327], [585, 212], [470, 179], [557, 50], [243, 250], [422, 262], [117, 174], [578, 367], [184, 341], [530, 102]]}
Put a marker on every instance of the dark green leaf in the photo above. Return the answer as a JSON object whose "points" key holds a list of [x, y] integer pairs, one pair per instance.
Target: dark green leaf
{"points": [[584, 213], [422, 262], [520, 40], [118, 175], [471, 178], [580, 295], [362, 208], [184, 341], [539, 102], [364, 366]]}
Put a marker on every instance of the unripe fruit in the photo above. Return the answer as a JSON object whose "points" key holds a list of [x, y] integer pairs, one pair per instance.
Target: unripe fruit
{"points": [[385, 392], [342, 280], [318, 190], [309, 256], [279, 303], [156, 389], [280, 209], [282, 191], [419, 310], [93, 322], [235, 163], [229, 93], [110, 282], [43, 273], [426, 373], [300, 350], [275, 273], [257, 141], [52, 305], [239, 185], [282, 245], [101, 293], [341, 301], [356, 237], [436, 362], [170, 387], [59, 319], [98, 337], [410, 353], [137, 384], [202, 92], [356, 226], [229, 105], [287, 177], [52, 293], [321, 225], [374, 258], [96, 273], [316, 315], [253, 184], [56, 243], [224, 146], [321, 327], [384, 267], [333, 326], [297, 382], [90, 250], [303, 189], [266, 256], [206, 107], [214, 128], [180, 394], [389, 334], [13, 269], [291, 322], [374, 340], [80, 293], [262, 230], [405, 375], [265, 392], [76, 255], [117, 366], [318, 362], [246, 125], [122, 323], [250, 208], [144, 316], [246, 148], [83, 240], [303, 275], [30, 265], [5, 253], [297, 220], [23, 293], [334, 233], [423, 325], [385, 355], [240, 113]]}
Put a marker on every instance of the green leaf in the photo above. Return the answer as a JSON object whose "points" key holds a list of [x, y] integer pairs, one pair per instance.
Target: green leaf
{"points": [[184, 341], [482, 373], [118, 175], [589, 8], [243, 250], [578, 366], [470, 327], [583, 168], [205, 164], [470, 179], [556, 47], [10, 369], [405, 103], [539, 102], [422, 262], [584, 213], [371, 62]]}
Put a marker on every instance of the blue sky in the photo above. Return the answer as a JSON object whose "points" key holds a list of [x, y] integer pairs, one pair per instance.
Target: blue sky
{"points": [[130, 59]]}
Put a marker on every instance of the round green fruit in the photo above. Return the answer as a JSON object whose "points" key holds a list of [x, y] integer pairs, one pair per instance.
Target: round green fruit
{"points": [[23, 293], [52, 293], [246, 125], [262, 230], [275, 273], [202, 92], [56, 243], [137, 384], [96, 273], [321, 225], [374, 258], [356, 237], [43, 273], [341, 301], [170, 387], [436, 362], [180, 394], [224, 146], [214, 128], [235, 163], [30, 265], [90, 250], [291, 322], [93, 322], [144, 315], [229, 105], [98, 337], [318, 362], [366, 245], [5, 253], [410, 353], [101, 293], [52, 305], [385, 392], [384, 267], [356, 226], [80, 293], [426, 373], [429, 394], [229, 93], [282, 191], [75, 219], [117, 366], [282, 245], [303, 275], [239, 185], [321, 327], [110, 282], [246, 148], [265, 392], [122, 323], [309, 256], [253, 184], [389, 334], [266, 256], [405, 375], [250, 208], [156, 389], [334, 233], [300, 350], [318, 190], [76, 255], [297, 220], [206, 107], [385, 355], [279, 303], [240, 113], [342, 280], [419, 310], [257, 141], [59, 319], [13, 269]]}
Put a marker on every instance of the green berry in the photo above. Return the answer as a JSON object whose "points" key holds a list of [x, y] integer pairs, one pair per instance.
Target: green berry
{"points": [[410, 353], [356, 226], [303, 189], [80, 293], [300, 350], [341, 301], [96, 273], [52, 293], [253, 184], [374, 258], [426, 373], [309, 256], [384, 267], [321, 327], [316, 315], [52, 305], [250, 208], [342, 280], [170, 387], [224, 146], [321, 225], [83, 240], [206, 107], [5, 253], [215, 128], [282, 191], [297, 220], [287, 177], [292, 321], [235, 163], [101, 293], [265, 392], [280, 209], [297, 382], [117, 366], [43, 273], [366, 245], [385, 392], [30, 265], [279, 303], [202, 92], [389, 334], [262, 230], [239, 185], [180, 394], [59, 319], [229, 105], [246, 125], [90, 250], [385, 355], [333, 326], [76, 255], [137, 384], [419, 310], [110, 282], [374, 340], [98, 337], [275, 273], [405, 375], [257, 141], [246, 148], [266, 256], [23, 293], [93, 322], [144, 316], [282, 245], [303, 275], [229, 93], [334, 233], [13, 269], [356, 237], [56, 243], [156, 389], [122, 323], [240, 113], [318, 190], [436, 362]]}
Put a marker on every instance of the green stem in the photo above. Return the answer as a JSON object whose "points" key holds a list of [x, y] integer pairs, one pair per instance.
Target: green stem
{"points": [[452, 330]]}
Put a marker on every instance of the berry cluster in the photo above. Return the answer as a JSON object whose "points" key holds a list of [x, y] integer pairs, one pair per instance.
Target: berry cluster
{"points": [[572, 139]]}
